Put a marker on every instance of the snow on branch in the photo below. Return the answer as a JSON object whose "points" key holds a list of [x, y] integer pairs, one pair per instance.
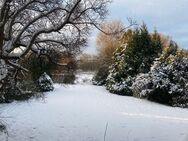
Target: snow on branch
{"points": [[24, 25]]}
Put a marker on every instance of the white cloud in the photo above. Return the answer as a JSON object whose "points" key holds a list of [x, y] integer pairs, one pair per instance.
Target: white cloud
{"points": [[169, 16]]}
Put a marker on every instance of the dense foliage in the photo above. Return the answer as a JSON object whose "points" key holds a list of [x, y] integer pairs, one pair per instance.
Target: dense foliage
{"points": [[45, 83], [166, 83], [38, 64], [88, 62], [134, 56], [146, 67]]}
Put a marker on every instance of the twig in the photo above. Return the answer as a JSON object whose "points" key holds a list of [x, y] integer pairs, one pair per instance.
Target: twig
{"points": [[105, 131]]}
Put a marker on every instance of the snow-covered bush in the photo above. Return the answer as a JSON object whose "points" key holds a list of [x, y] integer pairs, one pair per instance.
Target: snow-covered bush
{"points": [[11, 86], [45, 83], [14, 89], [116, 81], [167, 83], [142, 85], [133, 57], [122, 88]]}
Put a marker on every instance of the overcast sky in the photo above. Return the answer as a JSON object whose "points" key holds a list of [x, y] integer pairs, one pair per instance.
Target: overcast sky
{"points": [[170, 17]]}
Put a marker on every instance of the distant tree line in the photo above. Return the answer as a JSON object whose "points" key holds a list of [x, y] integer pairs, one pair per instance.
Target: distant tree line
{"points": [[87, 62]]}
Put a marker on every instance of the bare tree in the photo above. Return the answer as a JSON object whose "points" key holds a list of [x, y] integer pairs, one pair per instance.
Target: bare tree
{"points": [[107, 44], [34, 25]]}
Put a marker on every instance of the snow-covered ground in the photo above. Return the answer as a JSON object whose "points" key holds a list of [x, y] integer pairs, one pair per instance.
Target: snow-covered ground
{"points": [[83, 112]]}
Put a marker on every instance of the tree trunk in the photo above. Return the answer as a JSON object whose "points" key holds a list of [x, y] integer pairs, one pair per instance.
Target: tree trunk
{"points": [[1, 43]]}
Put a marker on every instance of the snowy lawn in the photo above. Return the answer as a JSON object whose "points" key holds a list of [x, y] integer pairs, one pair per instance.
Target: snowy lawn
{"points": [[83, 112]]}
